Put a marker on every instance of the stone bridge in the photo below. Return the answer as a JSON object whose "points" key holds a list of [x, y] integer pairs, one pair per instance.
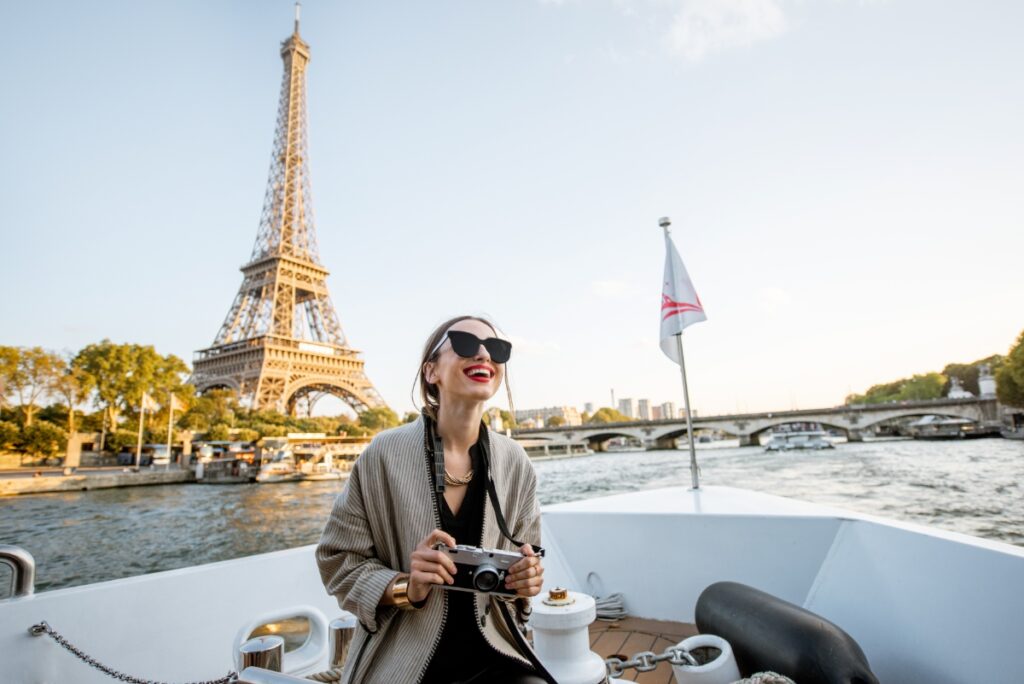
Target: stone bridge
{"points": [[853, 420]]}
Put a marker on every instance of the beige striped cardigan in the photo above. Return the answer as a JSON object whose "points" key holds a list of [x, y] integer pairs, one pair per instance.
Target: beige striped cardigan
{"points": [[385, 510]]}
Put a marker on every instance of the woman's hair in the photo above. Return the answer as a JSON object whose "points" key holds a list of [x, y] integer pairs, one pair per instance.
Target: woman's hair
{"points": [[429, 393]]}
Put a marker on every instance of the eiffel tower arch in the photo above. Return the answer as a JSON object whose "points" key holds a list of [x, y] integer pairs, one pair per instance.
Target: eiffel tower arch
{"points": [[281, 341]]}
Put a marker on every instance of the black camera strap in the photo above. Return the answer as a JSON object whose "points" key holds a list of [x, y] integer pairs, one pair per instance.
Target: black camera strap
{"points": [[436, 446], [492, 494]]}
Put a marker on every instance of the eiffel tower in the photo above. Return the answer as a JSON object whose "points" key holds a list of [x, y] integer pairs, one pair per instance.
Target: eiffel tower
{"points": [[281, 342]]}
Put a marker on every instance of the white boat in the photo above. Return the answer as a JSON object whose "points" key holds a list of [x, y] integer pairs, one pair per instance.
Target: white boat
{"points": [[925, 605], [803, 439], [280, 468], [325, 467]]}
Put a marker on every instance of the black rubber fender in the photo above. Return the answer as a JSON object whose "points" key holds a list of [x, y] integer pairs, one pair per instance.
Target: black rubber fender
{"points": [[767, 633]]}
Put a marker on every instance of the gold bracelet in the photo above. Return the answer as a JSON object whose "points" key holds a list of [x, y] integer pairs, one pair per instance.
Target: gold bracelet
{"points": [[400, 594]]}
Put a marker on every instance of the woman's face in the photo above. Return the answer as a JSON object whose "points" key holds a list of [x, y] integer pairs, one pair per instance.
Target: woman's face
{"points": [[474, 379]]}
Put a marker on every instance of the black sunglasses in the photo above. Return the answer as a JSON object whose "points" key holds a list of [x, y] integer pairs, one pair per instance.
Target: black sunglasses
{"points": [[467, 345]]}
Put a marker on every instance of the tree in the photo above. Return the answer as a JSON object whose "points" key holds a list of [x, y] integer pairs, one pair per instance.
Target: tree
{"points": [[10, 434], [608, 415], [377, 419], [555, 421], [34, 376], [45, 439], [221, 406], [109, 366], [9, 357], [1010, 377], [74, 386], [410, 417], [219, 433]]}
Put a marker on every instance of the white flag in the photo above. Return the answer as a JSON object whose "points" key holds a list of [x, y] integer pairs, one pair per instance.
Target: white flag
{"points": [[176, 404], [148, 404], [680, 305]]}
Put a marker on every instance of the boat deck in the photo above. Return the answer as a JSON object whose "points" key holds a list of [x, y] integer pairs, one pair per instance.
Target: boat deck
{"points": [[626, 637]]}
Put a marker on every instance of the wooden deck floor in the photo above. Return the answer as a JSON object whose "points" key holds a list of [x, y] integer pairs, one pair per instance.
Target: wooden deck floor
{"points": [[626, 637]]}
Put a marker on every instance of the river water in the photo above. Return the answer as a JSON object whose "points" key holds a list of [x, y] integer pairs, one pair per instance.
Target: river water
{"points": [[972, 487]]}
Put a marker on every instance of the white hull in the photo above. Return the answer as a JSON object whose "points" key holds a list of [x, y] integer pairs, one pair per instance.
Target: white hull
{"points": [[925, 605]]}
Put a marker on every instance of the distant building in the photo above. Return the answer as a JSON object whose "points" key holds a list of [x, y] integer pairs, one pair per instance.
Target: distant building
{"points": [[656, 413], [497, 424], [589, 407], [643, 409], [627, 407], [668, 410], [570, 414]]}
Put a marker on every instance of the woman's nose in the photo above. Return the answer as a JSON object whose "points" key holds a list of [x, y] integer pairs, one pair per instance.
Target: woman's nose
{"points": [[482, 353]]}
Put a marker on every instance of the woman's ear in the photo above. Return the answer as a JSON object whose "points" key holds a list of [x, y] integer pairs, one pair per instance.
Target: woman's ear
{"points": [[430, 372]]}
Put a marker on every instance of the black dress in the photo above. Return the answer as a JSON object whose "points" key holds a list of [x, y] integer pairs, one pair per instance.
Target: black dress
{"points": [[463, 654]]}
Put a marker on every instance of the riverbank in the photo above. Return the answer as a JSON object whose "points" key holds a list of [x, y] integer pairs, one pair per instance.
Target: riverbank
{"points": [[48, 483]]}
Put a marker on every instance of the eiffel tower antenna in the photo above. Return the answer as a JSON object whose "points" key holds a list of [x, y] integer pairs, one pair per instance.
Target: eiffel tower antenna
{"points": [[281, 341]]}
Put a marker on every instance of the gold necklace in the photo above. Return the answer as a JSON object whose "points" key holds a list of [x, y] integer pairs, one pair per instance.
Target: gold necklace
{"points": [[453, 481]]}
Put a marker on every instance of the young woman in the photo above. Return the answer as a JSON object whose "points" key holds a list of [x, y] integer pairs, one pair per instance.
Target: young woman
{"points": [[382, 553]]}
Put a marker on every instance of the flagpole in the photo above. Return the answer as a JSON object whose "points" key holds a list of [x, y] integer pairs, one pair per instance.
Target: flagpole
{"points": [[694, 470], [138, 444], [170, 423], [664, 222]]}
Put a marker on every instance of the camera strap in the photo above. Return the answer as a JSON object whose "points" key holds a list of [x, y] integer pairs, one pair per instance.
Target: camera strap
{"points": [[492, 494], [436, 448]]}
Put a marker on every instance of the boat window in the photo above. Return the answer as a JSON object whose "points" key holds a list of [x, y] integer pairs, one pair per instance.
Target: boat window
{"points": [[294, 630]]}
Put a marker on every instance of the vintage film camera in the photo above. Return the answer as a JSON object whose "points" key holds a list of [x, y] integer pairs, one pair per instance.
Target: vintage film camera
{"points": [[480, 569]]}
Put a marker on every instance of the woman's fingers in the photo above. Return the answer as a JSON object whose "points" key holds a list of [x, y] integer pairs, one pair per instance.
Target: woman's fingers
{"points": [[432, 567], [527, 581], [438, 537]]}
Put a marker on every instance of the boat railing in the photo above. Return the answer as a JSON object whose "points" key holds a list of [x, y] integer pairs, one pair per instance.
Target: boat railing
{"points": [[23, 569]]}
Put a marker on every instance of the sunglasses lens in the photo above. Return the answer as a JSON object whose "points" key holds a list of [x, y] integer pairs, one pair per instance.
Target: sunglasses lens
{"points": [[467, 344], [500, 350]]}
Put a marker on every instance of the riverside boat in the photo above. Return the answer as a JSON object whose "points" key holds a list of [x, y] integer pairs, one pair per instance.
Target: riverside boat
{"points": [[804, 439], [925, 605]]}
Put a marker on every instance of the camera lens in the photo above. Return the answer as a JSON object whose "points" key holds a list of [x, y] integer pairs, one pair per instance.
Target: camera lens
{"points": [[485, 578]]}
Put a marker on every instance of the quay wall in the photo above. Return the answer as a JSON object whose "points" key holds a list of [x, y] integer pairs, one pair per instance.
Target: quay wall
{"points": [[11, 486]]}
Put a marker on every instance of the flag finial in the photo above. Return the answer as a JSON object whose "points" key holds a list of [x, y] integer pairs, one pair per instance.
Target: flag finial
{"points": [[665, 222]]}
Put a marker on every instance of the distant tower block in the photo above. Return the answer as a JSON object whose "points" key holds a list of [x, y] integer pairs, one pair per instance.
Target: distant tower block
{"points": [[281, 341]]}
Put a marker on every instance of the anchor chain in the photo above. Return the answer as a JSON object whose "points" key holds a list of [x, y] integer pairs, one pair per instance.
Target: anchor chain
{"points": [[44, 628], [646, 661]]}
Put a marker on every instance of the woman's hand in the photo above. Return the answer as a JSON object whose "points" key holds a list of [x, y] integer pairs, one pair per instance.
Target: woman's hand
{"points": [[527, 575], [430, 566]]}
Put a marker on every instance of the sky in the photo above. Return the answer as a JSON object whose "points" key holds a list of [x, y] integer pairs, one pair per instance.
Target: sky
{"points": [[844, 180]]}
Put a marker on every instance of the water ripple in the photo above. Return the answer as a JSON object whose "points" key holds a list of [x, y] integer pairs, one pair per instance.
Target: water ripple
{"points": [[83, 537]]}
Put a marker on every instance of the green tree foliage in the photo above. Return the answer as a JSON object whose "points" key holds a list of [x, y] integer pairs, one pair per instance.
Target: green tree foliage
{"points": [[44, 439], [555, 421], [247, 435], [220, 406], [10, 434], [74, 386], [9, 357], [607, 415], [1010, 376], [122, 373], [31, 378], [220, 432], [917, 388], [122, 440], [377, 419], [410, 417]]}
